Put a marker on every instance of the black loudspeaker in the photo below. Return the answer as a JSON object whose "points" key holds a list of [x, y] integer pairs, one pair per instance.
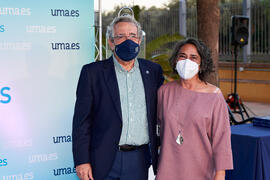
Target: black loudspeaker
{"points": [[239, 30]]}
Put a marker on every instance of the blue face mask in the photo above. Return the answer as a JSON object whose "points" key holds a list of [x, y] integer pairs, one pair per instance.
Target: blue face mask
{"points": [[127, 50]]}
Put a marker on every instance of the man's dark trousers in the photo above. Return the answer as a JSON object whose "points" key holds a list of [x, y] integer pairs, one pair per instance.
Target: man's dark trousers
{"points": [[131, 165]]}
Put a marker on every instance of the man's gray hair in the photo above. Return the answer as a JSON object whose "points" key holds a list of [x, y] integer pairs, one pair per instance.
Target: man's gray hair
{"points": [[123, 18]]}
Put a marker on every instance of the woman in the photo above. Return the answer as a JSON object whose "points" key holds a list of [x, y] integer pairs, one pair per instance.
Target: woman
{"points": [[193, 116]]}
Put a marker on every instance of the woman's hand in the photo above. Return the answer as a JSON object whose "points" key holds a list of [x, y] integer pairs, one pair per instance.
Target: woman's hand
{"points": [[220, 175]]}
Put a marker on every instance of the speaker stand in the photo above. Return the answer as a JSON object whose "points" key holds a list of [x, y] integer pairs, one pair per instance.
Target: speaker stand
{"points": [[235, 104]]}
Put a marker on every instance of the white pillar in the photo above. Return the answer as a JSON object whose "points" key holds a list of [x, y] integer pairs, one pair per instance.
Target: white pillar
{"points": [[182, 18], [100, 30], [247, 48]]}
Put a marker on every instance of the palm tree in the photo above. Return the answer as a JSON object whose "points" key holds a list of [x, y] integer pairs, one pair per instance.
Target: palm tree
{"points": [[208, 30]]}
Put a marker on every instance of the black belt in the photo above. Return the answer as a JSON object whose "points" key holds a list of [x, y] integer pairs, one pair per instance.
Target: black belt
{"points": [[127, 147]]}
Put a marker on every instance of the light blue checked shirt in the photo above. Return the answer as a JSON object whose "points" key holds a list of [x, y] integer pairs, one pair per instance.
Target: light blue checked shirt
{"points": [[133, 105]]}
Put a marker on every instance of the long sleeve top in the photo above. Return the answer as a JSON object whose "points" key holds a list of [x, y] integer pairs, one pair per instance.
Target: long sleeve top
{"points": [[195, 134]]}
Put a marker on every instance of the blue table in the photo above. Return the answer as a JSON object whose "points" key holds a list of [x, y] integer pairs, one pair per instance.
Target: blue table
{"points": [[251, 153]]}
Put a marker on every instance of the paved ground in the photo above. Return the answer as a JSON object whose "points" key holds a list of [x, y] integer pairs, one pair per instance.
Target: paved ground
{"points": [[151, 174], [259, 109], [255, 109]]}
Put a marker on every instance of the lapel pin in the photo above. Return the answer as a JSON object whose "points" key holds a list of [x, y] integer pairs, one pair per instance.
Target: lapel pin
{"points": [[147, 72]]}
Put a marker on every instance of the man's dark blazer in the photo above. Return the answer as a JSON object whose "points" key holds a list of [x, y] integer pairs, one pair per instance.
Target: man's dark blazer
{"points": [[97, 121]]}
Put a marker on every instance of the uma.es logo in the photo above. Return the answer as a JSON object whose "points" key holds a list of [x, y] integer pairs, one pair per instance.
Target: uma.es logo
{"points": [[11, 11], [64, 171], [3, 162], [64, 12], [4, 95], [65, 46], [21, 176], [2, 28], [62, 139], [37, 158]]}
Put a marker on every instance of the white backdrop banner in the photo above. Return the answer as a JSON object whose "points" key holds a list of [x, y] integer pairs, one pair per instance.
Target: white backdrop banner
{"points": [[43, 45]]}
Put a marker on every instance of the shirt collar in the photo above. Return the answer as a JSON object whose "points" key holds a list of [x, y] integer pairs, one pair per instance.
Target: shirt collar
{"points": [[119, 68]]}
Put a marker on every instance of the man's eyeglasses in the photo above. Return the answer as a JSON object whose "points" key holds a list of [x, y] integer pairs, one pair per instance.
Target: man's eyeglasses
{"points": [[130, 36]]}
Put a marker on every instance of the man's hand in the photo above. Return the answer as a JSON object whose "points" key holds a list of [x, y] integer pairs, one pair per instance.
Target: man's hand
{"points": [[84, 171]]}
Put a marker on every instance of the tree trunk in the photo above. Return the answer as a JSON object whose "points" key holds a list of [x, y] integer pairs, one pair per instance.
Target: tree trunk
{"points": [[208, 15]]}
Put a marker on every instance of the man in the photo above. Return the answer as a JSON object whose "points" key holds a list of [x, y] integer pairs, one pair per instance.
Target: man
{"points": [[114, 123]]}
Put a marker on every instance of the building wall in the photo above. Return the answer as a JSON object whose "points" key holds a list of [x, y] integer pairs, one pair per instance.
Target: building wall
{"points": [[253, 81]]}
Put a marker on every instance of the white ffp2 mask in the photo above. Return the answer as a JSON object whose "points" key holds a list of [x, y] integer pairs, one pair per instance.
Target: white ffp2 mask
{"points": [[187, 68]]}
